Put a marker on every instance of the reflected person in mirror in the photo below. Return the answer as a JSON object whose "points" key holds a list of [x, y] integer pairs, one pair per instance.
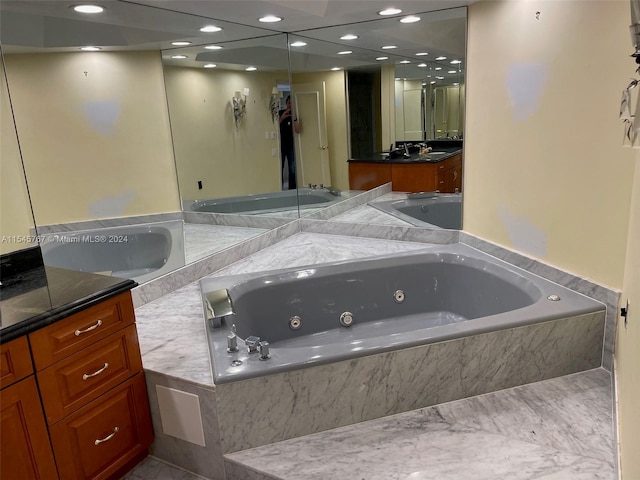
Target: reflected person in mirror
{"points": [[288, 125]]}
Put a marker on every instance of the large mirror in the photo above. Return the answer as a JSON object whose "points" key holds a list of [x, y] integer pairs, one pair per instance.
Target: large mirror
{"points": [[129, 135]]}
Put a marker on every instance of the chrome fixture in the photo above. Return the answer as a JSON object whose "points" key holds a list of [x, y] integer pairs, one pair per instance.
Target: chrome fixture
{"points": [[419, 195], [295, 322], [398, 296], [236, 363], [217, 305], [252, 343], [346, 319], [553, 298], [264, 350], [232, 340]]}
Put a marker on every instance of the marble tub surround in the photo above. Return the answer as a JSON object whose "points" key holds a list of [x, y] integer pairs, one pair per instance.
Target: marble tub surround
{"points": [[365, 213], [300, 402], [236, 220], [202, 240], [555, 429], [108, 222], [353, 199], [609, 297]]}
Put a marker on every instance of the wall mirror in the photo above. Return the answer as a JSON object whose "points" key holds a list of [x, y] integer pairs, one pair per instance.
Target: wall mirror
{"points": [[98, 142]]}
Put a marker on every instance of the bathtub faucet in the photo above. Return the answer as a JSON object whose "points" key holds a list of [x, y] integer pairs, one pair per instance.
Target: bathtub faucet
{"points": [[254, 344], [418, 195]]}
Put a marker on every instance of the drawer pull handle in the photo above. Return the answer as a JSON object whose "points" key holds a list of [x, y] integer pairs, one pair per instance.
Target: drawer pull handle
{"points": [[88, 329], [87, 376], [107, 438]]}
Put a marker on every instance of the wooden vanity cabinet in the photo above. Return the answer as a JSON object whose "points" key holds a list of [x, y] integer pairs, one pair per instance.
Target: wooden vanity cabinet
{"points": [[25, 450], [445, 176], [87, 415], [93, 391]]}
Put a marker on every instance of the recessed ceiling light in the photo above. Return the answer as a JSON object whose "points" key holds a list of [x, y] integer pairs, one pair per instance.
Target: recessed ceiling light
{"points": [[390, 11], [440, 78], [210, 29], [389, 47], [422, 65], [441, 58], [299, 43], [421, 54], [382, 58], [432, 82], [405, 61], [178, 57], [270, 19], [438, 68], [88, 8], [456, 84], [213, 47], [410, 19], [180, 44], [90, 49], [335, 69], [349, 36], [345, 52], [209, 65], [452, 71], [251, 69], [455, 62]]}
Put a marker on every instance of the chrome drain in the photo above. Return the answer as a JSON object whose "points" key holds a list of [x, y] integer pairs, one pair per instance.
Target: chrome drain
{"points": [[398, 296], [236, 363], [553, 298]]}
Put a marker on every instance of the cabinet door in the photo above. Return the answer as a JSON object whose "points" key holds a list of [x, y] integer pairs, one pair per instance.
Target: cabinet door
{"points": [[15, 361], [99, 439], [25, 451]]}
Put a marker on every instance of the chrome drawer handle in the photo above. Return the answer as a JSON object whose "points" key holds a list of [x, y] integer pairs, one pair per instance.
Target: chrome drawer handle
{"points": [[88, 329], [107, 438], [86, 376]]}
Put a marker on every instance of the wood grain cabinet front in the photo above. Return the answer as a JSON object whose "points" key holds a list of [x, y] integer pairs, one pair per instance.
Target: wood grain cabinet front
{"points": [[103, 437], [25, 451], [84, 376], [15, 361]]}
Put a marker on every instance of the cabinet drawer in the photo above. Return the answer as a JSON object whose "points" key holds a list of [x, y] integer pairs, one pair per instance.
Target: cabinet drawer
{"points": [[15, 361], [69, 384], [102, 437], [68, 336]]}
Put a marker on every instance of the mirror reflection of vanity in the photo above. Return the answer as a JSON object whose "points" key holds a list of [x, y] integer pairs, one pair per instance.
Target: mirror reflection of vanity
{"points": [[127, 135]]}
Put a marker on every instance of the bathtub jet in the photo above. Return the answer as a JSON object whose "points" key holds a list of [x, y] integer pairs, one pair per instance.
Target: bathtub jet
{"points": [[333, 312]]}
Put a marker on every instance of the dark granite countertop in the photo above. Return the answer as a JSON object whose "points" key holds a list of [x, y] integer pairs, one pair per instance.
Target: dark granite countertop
{"points": [[43, 295], [436, 156]]}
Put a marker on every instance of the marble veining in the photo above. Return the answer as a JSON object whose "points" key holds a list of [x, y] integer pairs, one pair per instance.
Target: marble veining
{"points": [[108, 222], [353, 199], [533, 432], [204, 240]]}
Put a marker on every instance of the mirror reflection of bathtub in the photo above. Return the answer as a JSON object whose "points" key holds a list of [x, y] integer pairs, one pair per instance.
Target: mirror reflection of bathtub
{"points": [[441, 210], [139, 252], [276, 202]]}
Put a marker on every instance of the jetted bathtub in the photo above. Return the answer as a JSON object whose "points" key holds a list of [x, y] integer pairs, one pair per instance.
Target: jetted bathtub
{"points": [[268, 202], [441, 210], [327, 313], [139, 252]]}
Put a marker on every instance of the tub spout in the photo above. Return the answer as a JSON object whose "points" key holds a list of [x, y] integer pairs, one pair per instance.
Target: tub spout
{"points": [[418, 195], [217, 305]]}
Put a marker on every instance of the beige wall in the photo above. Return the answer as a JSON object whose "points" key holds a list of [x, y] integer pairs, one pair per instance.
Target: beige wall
{"points": [[229, 160], [545, 170], [16, 221], [94, 133], [337, 126], [627, 346]]}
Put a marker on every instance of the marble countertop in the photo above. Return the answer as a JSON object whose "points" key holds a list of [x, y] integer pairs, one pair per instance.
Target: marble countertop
{"points": [[171, 329], [436, 156]]}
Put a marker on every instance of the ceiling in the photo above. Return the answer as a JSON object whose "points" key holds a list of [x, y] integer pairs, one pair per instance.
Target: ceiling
{"points": [[30, 26]]}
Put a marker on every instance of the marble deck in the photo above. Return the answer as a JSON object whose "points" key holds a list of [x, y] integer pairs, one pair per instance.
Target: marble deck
{"points": [[559, 429], [204, 240]]}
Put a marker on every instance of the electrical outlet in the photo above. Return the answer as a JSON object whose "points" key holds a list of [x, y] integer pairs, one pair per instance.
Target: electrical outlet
{"points": [[274, 152]]}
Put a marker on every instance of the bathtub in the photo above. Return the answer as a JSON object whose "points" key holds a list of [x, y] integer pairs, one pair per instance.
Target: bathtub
{"points": [[443, 210], [267, 202], [139, 252], [334, 312]]}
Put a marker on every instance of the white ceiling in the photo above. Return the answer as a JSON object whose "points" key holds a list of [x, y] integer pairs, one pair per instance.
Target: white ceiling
{"points": [[52, 26]]}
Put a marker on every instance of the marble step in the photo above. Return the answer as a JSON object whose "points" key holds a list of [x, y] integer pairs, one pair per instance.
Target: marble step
{"points": [[555, 429]]}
